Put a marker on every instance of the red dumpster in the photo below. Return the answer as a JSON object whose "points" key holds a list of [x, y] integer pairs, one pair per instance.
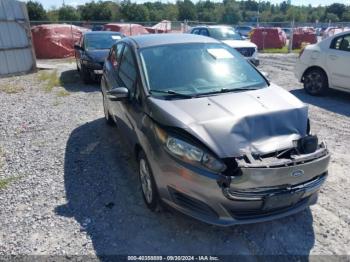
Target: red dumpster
{"points": [[303, 35], [273, 37], [55, 40], [126, 29]]}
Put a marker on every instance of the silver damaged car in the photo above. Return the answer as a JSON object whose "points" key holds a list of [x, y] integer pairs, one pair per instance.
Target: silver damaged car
{"points": [[213, 137]]}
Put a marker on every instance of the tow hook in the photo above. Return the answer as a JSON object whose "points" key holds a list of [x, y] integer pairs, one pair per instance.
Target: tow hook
{"points": [[224, 181]]}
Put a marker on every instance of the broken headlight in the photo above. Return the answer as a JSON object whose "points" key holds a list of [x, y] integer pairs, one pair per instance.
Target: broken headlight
{"points": [[307, 144], [188, 152]]}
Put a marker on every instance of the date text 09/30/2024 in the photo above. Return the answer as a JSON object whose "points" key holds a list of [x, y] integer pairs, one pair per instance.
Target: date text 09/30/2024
{"points": [[173, 258]]}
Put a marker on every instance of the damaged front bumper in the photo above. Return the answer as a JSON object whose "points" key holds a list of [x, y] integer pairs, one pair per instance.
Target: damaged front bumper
{"points": [[262, 190]]}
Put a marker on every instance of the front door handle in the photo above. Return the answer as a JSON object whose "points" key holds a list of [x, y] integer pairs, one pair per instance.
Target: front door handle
{"points": [[333, 57]]}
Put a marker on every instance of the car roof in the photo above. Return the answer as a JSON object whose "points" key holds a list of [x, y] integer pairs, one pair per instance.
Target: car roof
{"points": [[102, 32], [149, 40]]}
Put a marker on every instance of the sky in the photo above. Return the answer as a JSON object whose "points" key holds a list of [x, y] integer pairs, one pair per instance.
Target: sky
{"points": [[50, 3]]}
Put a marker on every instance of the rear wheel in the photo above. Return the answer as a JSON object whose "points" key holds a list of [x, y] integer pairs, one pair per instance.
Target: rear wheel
{"points": [[315, 82], [148, 185]]}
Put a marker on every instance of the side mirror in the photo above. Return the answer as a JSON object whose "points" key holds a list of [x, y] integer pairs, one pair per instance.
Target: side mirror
{"points": [[118, 94], [78, 47]]}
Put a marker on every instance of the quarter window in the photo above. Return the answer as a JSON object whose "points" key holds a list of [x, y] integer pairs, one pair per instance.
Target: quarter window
{"points": [[127, 70]]}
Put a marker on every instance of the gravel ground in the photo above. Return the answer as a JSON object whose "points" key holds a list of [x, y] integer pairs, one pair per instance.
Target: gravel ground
{"points": [[68, 184]]}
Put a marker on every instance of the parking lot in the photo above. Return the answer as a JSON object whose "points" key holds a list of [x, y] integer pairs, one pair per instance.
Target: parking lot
{"points": [[68, 184]]}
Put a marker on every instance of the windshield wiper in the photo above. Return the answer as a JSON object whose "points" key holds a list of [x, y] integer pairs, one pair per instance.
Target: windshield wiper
{"points": [[227, 90], [171, 92]]}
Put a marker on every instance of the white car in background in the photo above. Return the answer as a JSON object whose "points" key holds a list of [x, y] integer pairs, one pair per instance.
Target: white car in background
{"points": [[325, 65], [230, 37]]}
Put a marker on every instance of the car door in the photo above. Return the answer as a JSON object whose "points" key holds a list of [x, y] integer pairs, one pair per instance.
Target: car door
{"points": [[338, 62], [130, 109], [110, 77]]}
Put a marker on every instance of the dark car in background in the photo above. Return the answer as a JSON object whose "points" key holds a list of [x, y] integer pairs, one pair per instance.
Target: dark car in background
{"points": [[213, 137], [91, 51]]}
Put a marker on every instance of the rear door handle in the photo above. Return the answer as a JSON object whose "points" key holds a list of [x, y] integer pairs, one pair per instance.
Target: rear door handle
{"points": [[333, 57]]}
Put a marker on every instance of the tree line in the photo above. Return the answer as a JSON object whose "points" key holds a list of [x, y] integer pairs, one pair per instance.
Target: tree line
{"points": [[228, 11]]}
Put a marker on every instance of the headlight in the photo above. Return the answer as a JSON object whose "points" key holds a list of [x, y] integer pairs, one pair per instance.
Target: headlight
{"points": [[188, 152]]}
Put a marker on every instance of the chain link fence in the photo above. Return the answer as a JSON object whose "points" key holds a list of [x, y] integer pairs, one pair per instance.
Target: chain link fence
{"points": [[137, 28]]}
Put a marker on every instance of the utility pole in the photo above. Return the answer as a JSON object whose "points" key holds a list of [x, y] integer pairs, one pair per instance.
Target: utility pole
{"points": [[257, 19], [290, 46]]}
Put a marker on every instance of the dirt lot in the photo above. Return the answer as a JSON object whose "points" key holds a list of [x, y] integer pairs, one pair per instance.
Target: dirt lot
{"points": [[68, 184]]}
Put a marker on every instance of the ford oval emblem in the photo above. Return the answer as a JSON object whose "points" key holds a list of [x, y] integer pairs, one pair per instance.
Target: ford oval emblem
{"points": [[297, 173]]}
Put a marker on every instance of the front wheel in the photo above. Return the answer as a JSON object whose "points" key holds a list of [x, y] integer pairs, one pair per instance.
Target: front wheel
{"points": [[148, 185], [108, 116], [315, 82]]}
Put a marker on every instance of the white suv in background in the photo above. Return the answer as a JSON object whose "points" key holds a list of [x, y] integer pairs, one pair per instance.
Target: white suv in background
{"points": [[325, 65], [230, 37]]}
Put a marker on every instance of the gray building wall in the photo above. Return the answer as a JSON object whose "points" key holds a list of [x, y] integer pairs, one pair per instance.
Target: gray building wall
{"points": [[16, 50]]}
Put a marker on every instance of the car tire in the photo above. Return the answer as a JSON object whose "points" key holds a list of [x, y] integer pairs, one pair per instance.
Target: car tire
{"points": [[108, 117], [85, 75], [148, 185], [315, 82]]}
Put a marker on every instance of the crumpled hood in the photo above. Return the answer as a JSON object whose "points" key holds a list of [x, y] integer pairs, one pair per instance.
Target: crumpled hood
{"points": [[232, 124], [97, 56], [239, 43]]}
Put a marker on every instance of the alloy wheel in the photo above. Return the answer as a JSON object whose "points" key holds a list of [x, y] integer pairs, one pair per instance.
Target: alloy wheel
{"points": [[146, 181], [313, 82]]}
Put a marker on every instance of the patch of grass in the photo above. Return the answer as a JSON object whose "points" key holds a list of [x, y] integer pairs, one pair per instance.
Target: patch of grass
{"points": [[6, 181], [50, 78], [63, 93], [56, 103], [11, 88], [71, 60], [2, 156], [69, 77], [283, 50]]}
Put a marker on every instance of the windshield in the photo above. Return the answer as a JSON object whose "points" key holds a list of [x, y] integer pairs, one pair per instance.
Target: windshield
{"points": [[224, 33], [100, 41], [198, 69]]}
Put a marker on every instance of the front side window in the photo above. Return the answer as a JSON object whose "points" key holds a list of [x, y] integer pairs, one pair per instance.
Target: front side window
{"points": [[341, 43], [127, 70], [195, 31], [198, 69], [224, 33], [100, 41], [115, 55], [204, 32]]}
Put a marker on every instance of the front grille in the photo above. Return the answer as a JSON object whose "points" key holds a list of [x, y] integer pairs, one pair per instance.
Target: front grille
{"points": [[246, 51], [309, 185], [191, 204], [255, 214]]}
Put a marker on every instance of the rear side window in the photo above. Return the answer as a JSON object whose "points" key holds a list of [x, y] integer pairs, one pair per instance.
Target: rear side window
{"points": [[127, 70], [341, 43]]}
